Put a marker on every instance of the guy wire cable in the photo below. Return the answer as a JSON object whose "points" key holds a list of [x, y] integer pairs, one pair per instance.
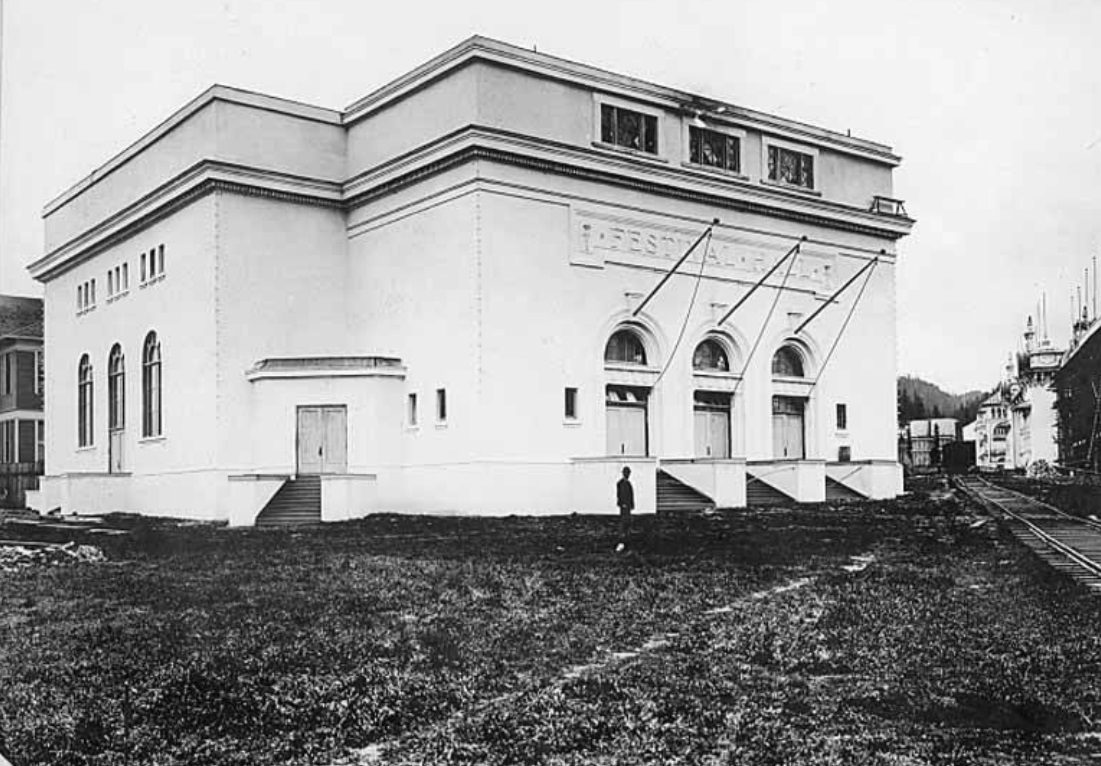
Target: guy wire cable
{"points": [[844, 325], [688, 314], [764, 326]]}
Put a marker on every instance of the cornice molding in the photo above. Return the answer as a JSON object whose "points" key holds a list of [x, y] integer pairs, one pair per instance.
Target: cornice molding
{"points": [[457, 149], [813, 212]]}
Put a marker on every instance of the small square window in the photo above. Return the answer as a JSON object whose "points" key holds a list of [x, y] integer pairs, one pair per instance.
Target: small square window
{"points": [[411, 413], [844, 454], [842, 417], [713, 149], [628, 128], [441, 405], [571, 403], [788, 166]]}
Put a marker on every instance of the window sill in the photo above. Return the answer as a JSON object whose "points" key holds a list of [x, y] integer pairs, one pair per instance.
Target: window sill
{"points": [[842, 433], [117, 296], [87, 448], [616, 149], [732, 175], [413, 429], [791, 187], [571, 423], [87, 310], [441, 426], [151, 281], [152, 439]]}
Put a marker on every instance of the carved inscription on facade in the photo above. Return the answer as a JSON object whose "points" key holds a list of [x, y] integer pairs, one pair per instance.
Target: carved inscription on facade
{"points": [[597, 240]]}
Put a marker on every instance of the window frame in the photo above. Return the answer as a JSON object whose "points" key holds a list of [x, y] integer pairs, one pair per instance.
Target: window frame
{"points": [[768, 142], [802, 357], [86, 401], [152, 386], [116, 388], [441, 406], [411, 415], [841, 413], [722, 129], [601, 100], [570, 412], [712, 370], [627, 363]]}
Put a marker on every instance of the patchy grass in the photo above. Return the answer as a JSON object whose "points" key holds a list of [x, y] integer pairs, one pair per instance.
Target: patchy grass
{"points": [[459, 641]]}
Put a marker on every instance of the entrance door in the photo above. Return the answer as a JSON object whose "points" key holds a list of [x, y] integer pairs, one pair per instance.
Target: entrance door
{"points": [[787, 427], [712, 421], [322, 439], [626, 421], [115, 440]]}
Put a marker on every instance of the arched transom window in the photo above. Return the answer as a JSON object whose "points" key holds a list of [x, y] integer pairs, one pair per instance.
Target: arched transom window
{"points": [[710, 355], [625, 347], [151, 386], [85, 399], [788, 363], [116, 388]]}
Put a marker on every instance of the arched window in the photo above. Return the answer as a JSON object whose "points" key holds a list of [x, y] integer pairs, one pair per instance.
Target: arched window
{"points": [[84, 402], [151, 386], [788, 363], [710, 355], [625, 347], [116, 388]]}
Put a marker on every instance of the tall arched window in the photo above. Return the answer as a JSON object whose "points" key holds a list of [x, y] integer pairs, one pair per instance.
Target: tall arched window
{"points": [[625, 347], [151, 386], [710, 355], [84, 402], [787, 363], [116, 389]]}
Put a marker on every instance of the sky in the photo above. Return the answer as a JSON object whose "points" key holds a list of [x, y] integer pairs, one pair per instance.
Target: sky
{"points": [[995, 108]]}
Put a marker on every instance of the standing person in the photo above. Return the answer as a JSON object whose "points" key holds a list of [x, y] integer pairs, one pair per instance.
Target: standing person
{"points": [[625, 499]]}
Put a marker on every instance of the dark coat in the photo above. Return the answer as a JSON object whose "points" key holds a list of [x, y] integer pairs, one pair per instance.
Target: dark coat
{"points": [[625, 494]]}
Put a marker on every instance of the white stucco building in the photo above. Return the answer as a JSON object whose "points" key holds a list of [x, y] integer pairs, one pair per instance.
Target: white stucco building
{"points": [[428, 301]]}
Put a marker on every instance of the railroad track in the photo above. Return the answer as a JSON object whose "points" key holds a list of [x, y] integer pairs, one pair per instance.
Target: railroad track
{"points": [[1070, 544]]}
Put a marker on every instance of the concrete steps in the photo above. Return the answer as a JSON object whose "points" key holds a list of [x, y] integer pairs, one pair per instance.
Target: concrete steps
{"points": [[674, 496], [297, 503]]}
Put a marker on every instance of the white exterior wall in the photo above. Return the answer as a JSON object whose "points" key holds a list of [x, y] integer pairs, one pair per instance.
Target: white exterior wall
{"points": [[173, 474]]}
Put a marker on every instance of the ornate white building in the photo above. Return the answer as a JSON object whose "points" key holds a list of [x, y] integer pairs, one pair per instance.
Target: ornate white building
{"points": [[429, 301]]}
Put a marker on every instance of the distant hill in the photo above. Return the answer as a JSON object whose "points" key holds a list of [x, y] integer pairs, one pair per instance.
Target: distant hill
{"points": [[919, 399]]}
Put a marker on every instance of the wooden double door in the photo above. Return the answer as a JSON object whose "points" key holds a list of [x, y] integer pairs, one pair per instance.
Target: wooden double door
{"points": [[322, 439], [627, 417], [711, 413], [788, 427]]}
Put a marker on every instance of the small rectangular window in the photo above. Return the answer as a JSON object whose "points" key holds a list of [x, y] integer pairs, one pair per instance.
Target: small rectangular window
{"points": [[110, 282], [143, 272], [842, 417], [39, 373], [844, 454], [441, 404], [713, 149], [412, 410], [571, 403], [790, 167], [160, 259], [628, 128], [40, 440], [93, 290], [126, 276]]}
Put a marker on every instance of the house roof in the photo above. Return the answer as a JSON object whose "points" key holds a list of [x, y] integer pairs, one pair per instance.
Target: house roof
{"points": [[20, 317]]}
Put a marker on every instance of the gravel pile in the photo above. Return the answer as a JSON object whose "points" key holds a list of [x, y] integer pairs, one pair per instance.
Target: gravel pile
{"points": [[14, 557]]}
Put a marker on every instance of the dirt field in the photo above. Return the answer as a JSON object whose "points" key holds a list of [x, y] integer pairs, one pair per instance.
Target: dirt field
{"points": [[879, 633]]}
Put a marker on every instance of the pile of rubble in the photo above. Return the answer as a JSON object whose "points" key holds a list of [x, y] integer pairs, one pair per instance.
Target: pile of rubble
{"points": [[15, 556]]}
